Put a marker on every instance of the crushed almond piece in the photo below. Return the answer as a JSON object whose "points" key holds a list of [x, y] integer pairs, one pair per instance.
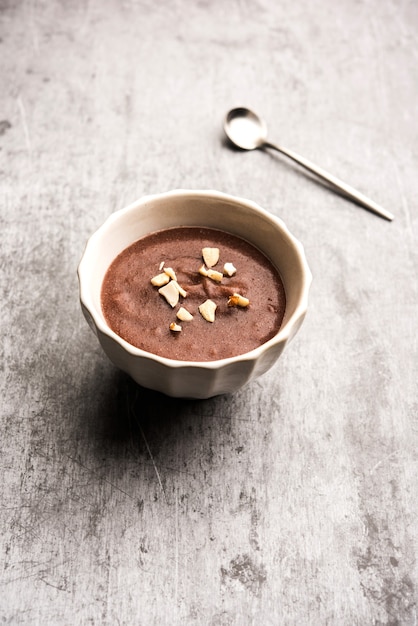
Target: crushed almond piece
{"points": [[237, 300], [207, 310], [203, 270], [161, 265], [175, 327], [180, 289], [184, 315], [160, 280], [170, 272], [170, 293], [214, 275], [210, 256], [229, 269]]}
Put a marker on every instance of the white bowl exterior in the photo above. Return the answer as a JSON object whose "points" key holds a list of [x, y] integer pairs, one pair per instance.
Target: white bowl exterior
{"points": [[194, 208]]}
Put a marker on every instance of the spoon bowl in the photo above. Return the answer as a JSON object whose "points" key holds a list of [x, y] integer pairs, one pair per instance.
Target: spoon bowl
{"points": [[245, 129]]}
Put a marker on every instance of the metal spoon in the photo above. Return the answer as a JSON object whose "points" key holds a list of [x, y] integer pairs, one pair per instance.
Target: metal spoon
{"points": [[248, 131]]}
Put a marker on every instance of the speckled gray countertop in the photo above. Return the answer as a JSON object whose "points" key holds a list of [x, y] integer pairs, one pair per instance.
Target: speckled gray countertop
{"points": [[294, 501]]}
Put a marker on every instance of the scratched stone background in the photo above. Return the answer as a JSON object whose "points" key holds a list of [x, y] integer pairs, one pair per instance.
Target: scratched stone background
{"points": [[295, 500]]}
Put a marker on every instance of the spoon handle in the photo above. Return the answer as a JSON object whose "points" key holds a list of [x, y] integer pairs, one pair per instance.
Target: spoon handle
{"points": [[346, 189]]}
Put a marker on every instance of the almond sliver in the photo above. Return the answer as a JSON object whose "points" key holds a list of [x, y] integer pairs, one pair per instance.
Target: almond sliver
{"points": [[229, 269], [184, 315], [214, 275], [170, 293], [160, 280], [207, 310], [203, 270], [210, 256], [170, 272], [180, 289], [237, 300]]}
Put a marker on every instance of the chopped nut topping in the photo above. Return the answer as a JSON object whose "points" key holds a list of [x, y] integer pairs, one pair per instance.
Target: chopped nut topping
{"points": [[229, 269], [170, 292], [207, 310], [210, 256], [160, 280], [214, 275], [184, 315], [170, 272], [237, 300]]}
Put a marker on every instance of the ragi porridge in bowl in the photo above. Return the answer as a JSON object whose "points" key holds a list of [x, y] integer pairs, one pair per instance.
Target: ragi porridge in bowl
{"points": [[193, 294]]}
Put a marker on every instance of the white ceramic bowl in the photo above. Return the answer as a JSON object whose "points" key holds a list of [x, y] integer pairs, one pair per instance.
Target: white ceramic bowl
{"points": [[194, 208]]}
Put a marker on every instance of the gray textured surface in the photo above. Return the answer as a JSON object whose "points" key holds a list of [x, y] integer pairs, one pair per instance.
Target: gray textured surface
{"points": [[295, 500]]}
